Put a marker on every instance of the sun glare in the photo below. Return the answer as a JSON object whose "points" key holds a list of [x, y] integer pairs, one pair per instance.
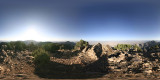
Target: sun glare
{"points": [[32, 34]]}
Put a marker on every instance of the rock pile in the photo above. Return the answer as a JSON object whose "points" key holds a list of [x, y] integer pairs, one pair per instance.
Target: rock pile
{"points": [[12, 63], [101, 57], [116, 61], [125, 62]]}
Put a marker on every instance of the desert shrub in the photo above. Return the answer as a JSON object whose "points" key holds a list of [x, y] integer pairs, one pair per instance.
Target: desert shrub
{"points": [[153, 48], [32, 46], [16, 45], [81, 44], [67, 45], [45, 45], [127, 47], [19, 46], [41, 57], [123, 46], [49, 46], [10, 46], [138, 48], [2, 45], [54, 47]]}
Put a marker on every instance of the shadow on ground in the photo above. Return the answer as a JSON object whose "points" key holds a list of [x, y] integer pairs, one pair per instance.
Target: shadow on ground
{"points": [[55, 70], [65, 55]]}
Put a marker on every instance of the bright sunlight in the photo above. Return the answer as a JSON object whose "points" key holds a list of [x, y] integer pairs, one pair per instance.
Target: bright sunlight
{"points": [[32, 34]]}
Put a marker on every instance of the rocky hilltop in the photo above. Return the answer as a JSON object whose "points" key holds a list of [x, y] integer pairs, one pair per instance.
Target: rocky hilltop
{"points": [[96, 61]]}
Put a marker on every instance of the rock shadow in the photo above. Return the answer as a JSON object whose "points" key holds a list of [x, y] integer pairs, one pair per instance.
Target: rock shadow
{"points": [[66, 55], [55, 70]]}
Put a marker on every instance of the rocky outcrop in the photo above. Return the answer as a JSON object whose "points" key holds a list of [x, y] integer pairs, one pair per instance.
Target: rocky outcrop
{"points": [[133, 63], [107, 50], [98, 50], [116, 58], [95, 55], [88, 55], [15, 62]]}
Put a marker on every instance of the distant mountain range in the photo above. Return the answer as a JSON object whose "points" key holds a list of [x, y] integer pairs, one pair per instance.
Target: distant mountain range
{"points": [[111, 43], [114, 43]]}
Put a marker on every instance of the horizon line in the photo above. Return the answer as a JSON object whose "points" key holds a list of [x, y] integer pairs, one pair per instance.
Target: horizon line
{"points": [[77, 40]]}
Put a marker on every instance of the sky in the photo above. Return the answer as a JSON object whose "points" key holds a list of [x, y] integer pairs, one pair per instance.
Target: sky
{"points": [[92, 20]]}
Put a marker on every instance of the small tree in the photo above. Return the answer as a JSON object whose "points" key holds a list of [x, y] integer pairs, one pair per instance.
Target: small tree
{"points": [[137, 48], [41, 57], [55, 47], [32, 46], [81, 44], [9, 46], [19, 45]]}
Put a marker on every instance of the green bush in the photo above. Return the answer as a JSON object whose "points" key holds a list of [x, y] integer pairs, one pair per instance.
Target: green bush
{"points": [[49, 46], [55, 47], [41, 57], [127, 47], [123, 46], [67, 45], [81, 44], [16, 45], [138, 48], [32, 46], [19, 46]]}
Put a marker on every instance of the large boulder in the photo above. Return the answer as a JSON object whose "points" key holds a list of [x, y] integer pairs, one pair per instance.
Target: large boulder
{"points": [[95, 55], [88, 56], [107, 50], [92, 53], [98, 50]]}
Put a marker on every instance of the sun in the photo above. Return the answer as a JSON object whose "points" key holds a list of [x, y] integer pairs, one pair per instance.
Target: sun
{"points": [[32, 34]]}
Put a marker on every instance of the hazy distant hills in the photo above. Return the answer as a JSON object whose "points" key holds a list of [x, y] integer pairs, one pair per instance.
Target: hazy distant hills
{"points": [[114, 43], [111, 43]]}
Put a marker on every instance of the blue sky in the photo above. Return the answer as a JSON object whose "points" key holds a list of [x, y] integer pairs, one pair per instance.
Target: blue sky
{"points": [[95, 20]]}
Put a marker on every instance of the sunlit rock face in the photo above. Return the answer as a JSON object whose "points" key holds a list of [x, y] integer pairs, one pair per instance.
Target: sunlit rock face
{"points": [[95, 57], [95, 52], [88, 54], [116, 57], [107, 50]]}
